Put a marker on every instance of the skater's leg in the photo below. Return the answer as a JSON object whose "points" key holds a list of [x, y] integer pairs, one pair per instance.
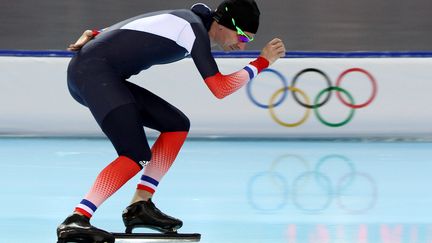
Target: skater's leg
{"points": [[174, 126], [164, 152], [96, 85], [124, 128]]}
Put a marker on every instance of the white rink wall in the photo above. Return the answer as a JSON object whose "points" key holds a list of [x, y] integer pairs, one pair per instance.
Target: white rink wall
{"points": [[35, 100]]}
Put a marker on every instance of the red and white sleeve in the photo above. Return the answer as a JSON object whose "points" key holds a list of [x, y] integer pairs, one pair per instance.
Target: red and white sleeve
{"points": [[223, 85]]}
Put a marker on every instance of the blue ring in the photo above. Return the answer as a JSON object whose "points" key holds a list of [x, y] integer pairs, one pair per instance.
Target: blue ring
{"points": [[284, 94], [250, 193]]}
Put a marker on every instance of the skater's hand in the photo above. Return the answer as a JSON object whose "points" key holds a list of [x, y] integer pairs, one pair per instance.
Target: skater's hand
{"points": [[273, 50], [85, 37]]}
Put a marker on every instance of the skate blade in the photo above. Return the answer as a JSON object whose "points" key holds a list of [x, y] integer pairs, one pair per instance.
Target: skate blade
{"points": [[159, 229], [80, 240], [155, 237]]}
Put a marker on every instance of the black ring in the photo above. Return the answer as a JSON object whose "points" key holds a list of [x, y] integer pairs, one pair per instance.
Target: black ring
{"points": [[314, 106]]}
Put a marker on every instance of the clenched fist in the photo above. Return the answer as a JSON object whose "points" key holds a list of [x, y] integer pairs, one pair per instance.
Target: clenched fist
{"points": [[273, 50], [85, 37]]}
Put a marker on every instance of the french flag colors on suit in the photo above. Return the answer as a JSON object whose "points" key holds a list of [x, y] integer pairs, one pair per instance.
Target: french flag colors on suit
{"points": [[147, 184], [252, 71], [86, 208], [164, 152]]}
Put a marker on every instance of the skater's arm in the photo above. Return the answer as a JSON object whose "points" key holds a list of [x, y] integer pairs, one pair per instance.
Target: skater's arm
{"points": [[85, 37], [223, 85]]}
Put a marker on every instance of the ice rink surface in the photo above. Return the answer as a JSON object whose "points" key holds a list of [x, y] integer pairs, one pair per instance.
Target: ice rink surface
{"points": [[252, 191]]}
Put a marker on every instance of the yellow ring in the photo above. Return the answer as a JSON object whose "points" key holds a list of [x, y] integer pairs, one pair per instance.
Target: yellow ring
{"points": [[276, 119]]}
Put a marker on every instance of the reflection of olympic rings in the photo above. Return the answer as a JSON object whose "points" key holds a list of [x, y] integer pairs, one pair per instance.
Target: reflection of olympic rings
{"points": [[327, 192], [289, 158], [260, 176], [321, 163], [342, 191], [277, 179], [317, 103], [313, 191]]}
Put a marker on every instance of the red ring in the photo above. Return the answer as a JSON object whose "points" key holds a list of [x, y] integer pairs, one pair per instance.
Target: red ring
{"points": [[374, 87]]}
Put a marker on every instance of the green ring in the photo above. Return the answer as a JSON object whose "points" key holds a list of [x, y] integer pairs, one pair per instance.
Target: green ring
{"points": [[339, 89]]}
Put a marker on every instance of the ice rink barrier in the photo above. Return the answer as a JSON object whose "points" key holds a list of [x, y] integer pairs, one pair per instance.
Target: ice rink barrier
{"points": [[391, 93]]}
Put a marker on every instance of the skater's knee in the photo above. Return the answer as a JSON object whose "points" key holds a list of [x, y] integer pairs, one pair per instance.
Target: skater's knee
{"points": [[178, 123], [183, 124], [140, 156]]}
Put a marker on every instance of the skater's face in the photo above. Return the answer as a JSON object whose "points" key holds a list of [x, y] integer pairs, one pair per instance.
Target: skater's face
{"points": [[231, 40]]}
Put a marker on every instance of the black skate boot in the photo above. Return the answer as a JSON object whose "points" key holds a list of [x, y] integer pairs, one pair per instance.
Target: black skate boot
{"points": [[144, 214], [77, 228]]}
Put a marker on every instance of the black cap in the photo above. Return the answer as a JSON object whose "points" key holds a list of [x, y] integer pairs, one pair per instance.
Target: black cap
{"points": [[205, 13], [244, 12]]}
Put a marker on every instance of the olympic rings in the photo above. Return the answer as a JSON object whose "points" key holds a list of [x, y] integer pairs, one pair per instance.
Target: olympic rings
{"points": [[285, 84], [273, 115], [317, 103], [327, 79], [374, 87], [350, 116]]}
